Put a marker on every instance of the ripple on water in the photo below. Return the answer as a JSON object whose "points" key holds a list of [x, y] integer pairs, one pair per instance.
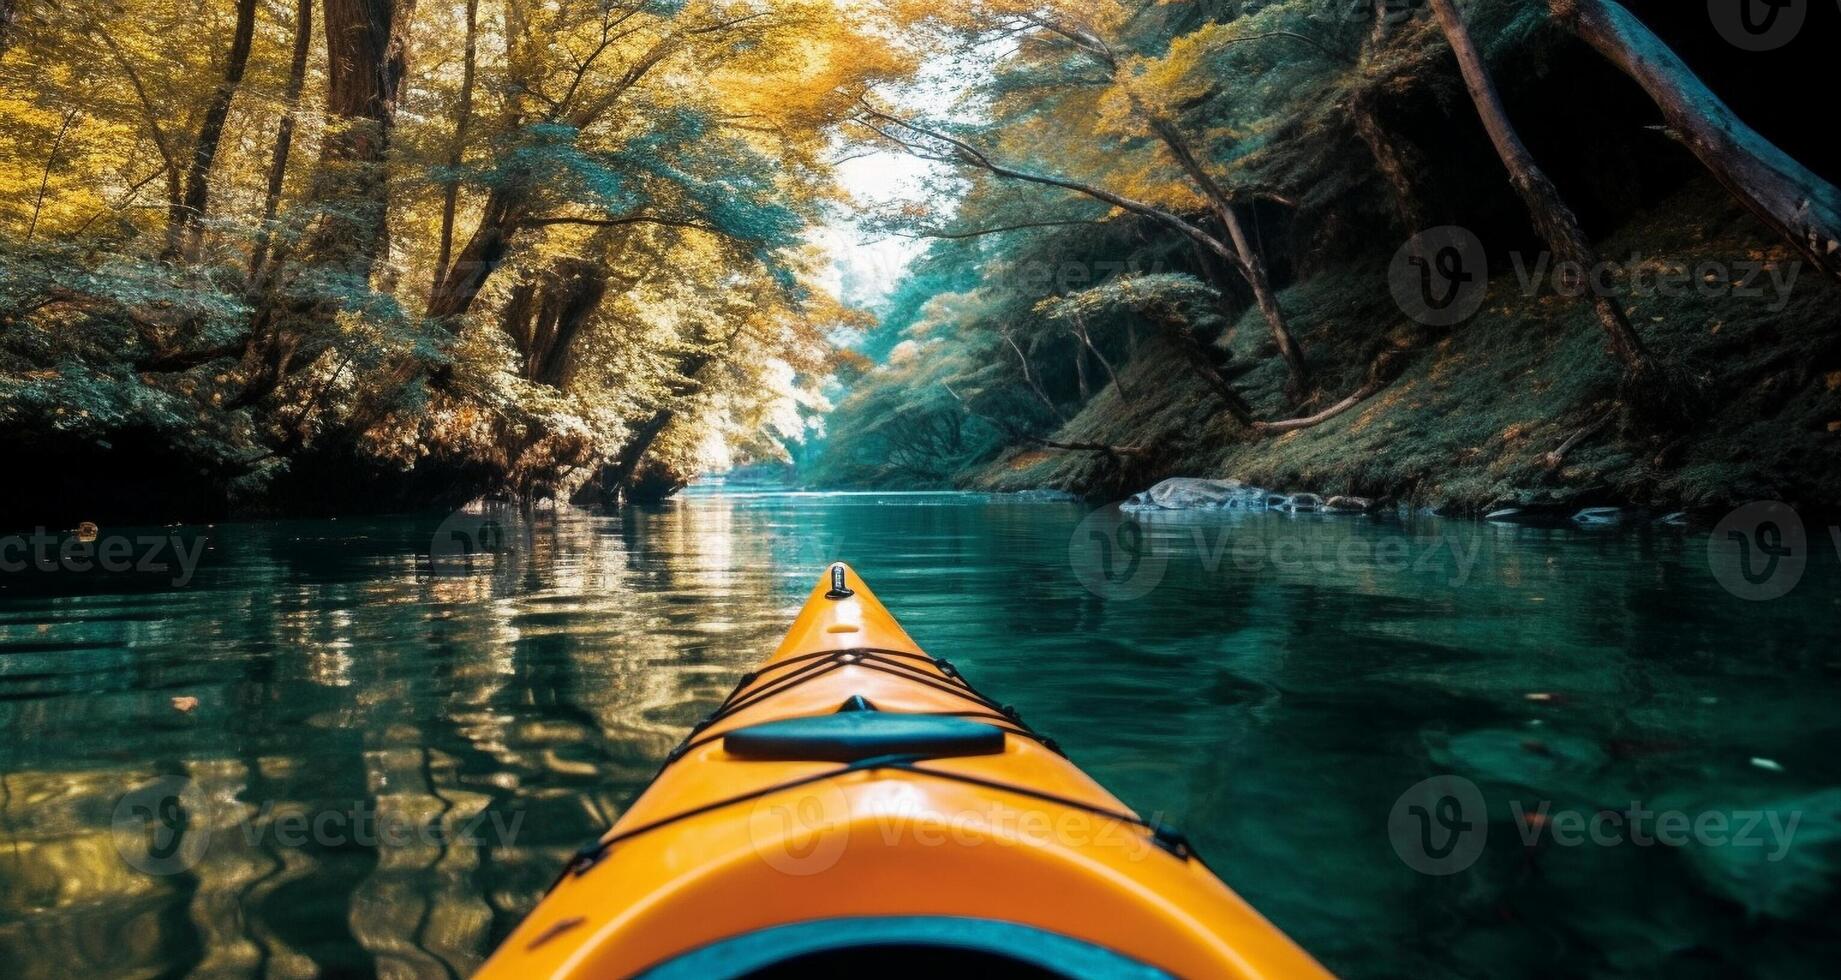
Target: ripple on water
{"points": [[1275, 708]]}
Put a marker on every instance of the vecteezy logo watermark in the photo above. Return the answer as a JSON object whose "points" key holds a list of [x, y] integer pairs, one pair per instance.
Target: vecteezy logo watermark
{"points": [[81, 551], [1115, 557], [1439, 825], [1742, 279], [803, 835], [1759, 551], [1440, 276], [163, 826], [166, 826], [1643, 827], [1758, 25], [492, 534]]}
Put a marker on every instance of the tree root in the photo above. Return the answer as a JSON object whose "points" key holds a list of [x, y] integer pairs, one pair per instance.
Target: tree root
{"points": [[1381, 373], [1558, 456]]}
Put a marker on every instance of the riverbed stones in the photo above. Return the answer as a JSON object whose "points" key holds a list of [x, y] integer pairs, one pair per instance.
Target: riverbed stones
{"points": [[1342, 504], [1192, 493], [1302, 503]]}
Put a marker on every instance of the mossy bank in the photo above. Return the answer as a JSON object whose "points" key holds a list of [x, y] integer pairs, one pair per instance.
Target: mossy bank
{"points": [[1479, 411]]}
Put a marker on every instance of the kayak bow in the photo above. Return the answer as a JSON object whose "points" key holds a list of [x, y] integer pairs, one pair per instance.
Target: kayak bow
{"points": [[855, 802]]}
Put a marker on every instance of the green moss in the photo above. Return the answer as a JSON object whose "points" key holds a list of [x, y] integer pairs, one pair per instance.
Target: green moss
{"points": [[1471, 419]]}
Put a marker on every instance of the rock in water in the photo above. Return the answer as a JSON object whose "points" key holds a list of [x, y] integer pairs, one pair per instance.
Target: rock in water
{"points": [[1191, 493], [1775, 857], [1045, 495], [1599, 516], [1348, 505], [1302, 503]]}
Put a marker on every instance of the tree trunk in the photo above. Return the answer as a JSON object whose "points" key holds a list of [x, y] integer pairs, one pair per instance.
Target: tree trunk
{"points": [[367, 56], [463, 114], [617, 475], [284, 135], [1252, 264], [1396, 159], [1029, 379], [7, 16], [51, 161], [1081, 334], [1080, 374], [484, 252], [1179, 332], [573, 292], [175, 185], [211, 131], [1552, 217], [1783, 193]]}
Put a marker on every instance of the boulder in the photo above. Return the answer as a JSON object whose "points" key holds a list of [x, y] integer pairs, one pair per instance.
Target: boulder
{"points": [[1348, 505], [1191, 493]]}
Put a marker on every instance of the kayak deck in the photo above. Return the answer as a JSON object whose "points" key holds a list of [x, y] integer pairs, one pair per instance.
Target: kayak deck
{"points": [[854, 781]]}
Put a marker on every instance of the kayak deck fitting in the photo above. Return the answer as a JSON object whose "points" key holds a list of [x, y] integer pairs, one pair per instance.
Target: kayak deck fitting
{"points": [[855, 803]]}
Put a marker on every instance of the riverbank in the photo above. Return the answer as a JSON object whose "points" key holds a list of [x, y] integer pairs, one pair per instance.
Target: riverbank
{"points": [[1517, 406]]}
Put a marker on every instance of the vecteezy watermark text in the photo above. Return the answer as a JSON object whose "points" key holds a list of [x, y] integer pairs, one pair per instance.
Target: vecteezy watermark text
{"points": [[1116, 556], [155, 554], [166, 826], [1639, 277], [1440, 825], [1441, 277]]}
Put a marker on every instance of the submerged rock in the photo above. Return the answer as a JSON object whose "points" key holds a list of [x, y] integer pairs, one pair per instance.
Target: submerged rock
{"points": [[1301, 503], [1191, 493], [1774, 857], [1045, 495], [1677, 519], [1600, 516], [1537, 516]]}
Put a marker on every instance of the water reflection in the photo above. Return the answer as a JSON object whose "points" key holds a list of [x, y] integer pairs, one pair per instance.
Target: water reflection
{"points": [[390, 759]]}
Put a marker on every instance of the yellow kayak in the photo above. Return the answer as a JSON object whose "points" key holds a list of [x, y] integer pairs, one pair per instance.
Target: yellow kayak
{"points": [[855, 802]]}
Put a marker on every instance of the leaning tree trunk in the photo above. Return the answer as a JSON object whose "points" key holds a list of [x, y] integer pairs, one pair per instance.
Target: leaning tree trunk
{"points": [[545, 318], [1398, 160], [1552, 217], [1029, 379], [463, 117], [460, 283], [1783, 193], [211, 131], [1252, 264], [284, 135]]}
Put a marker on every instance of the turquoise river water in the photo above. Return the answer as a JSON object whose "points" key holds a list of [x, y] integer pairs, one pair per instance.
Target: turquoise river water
{"points": [[394, 747]]}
